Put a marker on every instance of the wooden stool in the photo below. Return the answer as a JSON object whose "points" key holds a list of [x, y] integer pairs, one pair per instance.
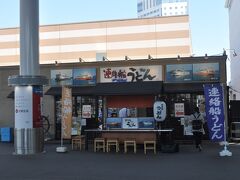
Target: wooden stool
{"points": [[150, 145], [99, 143], [77, 142], [130, 142], [112, 142]]}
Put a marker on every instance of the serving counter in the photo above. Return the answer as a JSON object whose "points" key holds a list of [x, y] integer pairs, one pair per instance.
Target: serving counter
{"points": [[140, 135]]}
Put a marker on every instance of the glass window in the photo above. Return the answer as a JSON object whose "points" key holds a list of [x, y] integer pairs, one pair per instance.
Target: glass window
{"points": [[189, 100], [140, 7], [158, 2], [234, 97], [100, 55]]}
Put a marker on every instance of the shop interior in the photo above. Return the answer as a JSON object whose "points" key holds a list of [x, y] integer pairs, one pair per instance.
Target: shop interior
{"points": [[108, 112]]}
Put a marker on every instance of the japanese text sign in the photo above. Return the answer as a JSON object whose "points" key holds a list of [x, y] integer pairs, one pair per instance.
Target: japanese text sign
{"points": [[159, 110], [66, 112], [131, 74], [215, 111], [86, 111], [179, 109]]}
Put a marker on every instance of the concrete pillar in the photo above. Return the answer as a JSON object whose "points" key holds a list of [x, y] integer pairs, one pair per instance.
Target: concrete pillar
{"points": [[28, 132]]}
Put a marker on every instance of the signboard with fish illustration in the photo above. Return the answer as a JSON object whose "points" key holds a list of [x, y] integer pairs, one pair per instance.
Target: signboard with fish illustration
{"points": [[113, 122], [206, 72], [61, 77], [146, 123], [84, 76], [192, 72], [179, 72]]}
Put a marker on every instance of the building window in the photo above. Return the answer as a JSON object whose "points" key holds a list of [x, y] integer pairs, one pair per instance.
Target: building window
{"points": [[159, 2], [140, 7], [234, 97]]}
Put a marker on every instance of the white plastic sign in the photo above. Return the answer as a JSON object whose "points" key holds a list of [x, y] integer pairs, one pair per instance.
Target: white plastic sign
{"points": [[159, 110], [23, 107]]}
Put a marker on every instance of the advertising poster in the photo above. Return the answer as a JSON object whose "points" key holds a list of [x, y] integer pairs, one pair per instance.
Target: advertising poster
{"points": [[179, 72], [66, 112], [76, 126], [206, 72], [23, 107], [114, 122], [131, 74], [179, 109], [86, 111], [214, 103], [129, 123], [61, 77], [146, 122], [84, 77], [37, 95]]}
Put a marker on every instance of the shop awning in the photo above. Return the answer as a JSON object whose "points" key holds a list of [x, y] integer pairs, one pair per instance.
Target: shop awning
{"points": [[142, 88], [134, 88], [183, 87], [57, 91]]}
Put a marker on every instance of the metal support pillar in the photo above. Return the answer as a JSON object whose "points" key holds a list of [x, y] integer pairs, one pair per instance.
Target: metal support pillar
{"points": [[28, 132]]}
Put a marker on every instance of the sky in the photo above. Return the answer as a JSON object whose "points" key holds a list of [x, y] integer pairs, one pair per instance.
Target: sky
{"points": [[208, 18]]}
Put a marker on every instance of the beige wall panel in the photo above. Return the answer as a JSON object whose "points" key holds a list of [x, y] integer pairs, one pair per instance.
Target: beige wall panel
{"points": [[147, 21], [49, 28], [152, 51], [174, 50], [114, 23], [99, 39], [5, 45], [131, 52], [102, 24], [115, 38], [70, 55], [9, 59], [148, 36], [172, 19], [85, 25], [50, 42], [111, 53], [9, 31], [70, 41]]}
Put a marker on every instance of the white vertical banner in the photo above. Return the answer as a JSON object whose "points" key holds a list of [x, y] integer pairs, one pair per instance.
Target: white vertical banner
{"points": [[23, 107]]}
